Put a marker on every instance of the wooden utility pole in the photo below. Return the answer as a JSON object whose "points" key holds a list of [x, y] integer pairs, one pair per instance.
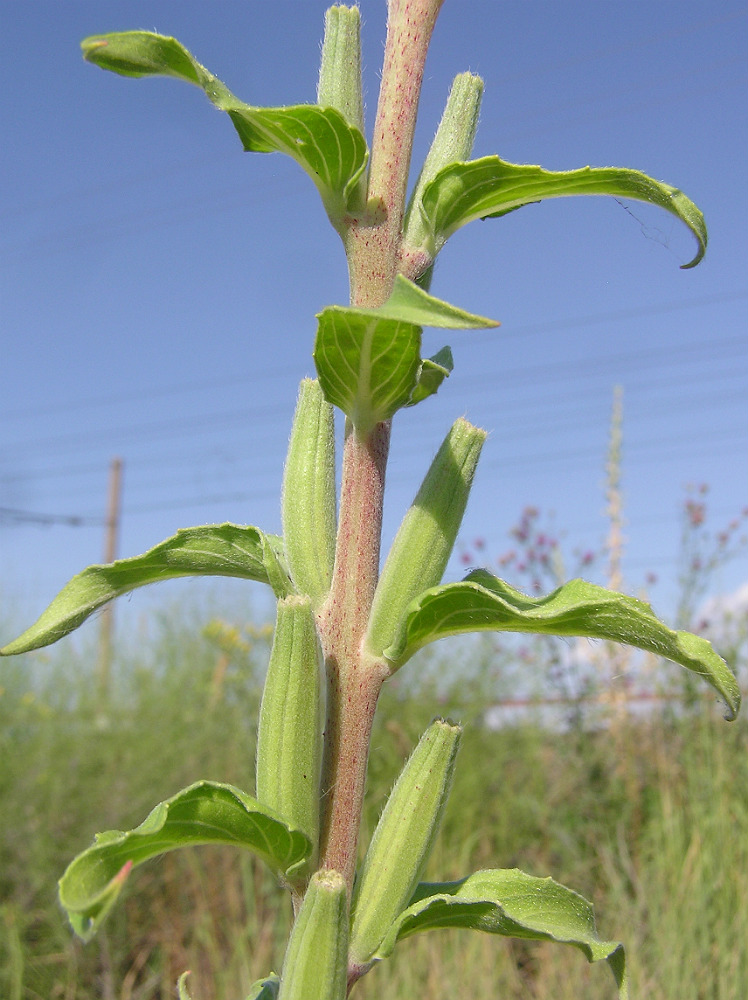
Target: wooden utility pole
{"points": [[618, 658], [111, 540], [614, 510]]}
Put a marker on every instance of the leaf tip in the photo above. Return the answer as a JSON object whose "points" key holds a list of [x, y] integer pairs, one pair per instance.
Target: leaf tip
{"points": [[14, 647], [697, 259], [120, 878], [732, 709], [182, 990]]}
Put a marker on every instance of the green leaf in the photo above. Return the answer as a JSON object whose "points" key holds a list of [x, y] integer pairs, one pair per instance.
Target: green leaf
{"points": [[482, 602], [209, 550], [403, 839], [412, 304], [265, 989], [432, 373], [367, 366], [368, 359], [322, 142], [513, 904], [182, 992], [489, 187], [205, 813]]}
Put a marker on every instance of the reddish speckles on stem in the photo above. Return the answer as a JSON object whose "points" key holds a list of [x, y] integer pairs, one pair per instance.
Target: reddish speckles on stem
{"points": [[353, 684], [373, 249], [409, 28]]}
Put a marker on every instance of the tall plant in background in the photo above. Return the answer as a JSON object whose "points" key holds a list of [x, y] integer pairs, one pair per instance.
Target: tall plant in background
{"points": [[343, 627]]}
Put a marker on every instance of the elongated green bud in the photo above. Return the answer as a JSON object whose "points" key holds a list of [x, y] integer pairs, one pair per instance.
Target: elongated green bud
{"points": [[308, 503], [316, 962], [403, 839], [452, 143], [339, 83], [427, 535], [289, 737]]}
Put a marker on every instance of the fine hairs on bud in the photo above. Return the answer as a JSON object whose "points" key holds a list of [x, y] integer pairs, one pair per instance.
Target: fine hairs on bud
{"points": [[427, 535], [403, 839], [316, 962], [308, 506], [452, 143], [339, 84], [289, 735]]}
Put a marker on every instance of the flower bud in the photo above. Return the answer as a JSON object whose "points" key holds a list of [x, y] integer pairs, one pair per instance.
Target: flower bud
{"points": [[308, 503], [427, 535], [316, 962], [452, 143], [289, 737], [403, 839], [339, 83]]}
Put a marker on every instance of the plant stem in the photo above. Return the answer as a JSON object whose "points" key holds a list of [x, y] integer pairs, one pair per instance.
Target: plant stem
{"points": [[373, 251], [353, 684], [372, 247]]}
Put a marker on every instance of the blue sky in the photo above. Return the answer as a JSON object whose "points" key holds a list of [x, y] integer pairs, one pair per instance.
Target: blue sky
{"points": [[158, 286]]}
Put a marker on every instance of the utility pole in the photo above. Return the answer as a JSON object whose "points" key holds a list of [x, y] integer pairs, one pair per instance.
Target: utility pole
{"points": [[617, 658], [615, 542], [111, 540]]}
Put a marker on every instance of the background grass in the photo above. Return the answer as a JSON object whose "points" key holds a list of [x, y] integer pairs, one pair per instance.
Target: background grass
{"points": [[647, 818]]}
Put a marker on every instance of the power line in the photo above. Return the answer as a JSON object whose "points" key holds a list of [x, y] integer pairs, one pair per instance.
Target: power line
{"points": [[614, 316], [520, 378], [467, 336], [520, 434], [134, 179], [150, 220], [16, 516], [644, 453]]}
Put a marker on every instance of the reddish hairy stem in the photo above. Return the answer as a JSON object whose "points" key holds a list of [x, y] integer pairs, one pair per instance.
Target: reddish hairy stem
{"points": [[353, 684], [373, 251], [353, 679]]}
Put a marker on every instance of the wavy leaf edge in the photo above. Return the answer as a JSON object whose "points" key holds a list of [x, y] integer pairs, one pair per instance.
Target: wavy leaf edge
{"points": [[504, 187], [491, 900], [247, 553], [300, 131], [483, 602], [93, 881]]}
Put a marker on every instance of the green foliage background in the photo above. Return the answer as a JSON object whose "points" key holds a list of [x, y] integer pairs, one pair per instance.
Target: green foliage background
{"points": [[648, 819]]}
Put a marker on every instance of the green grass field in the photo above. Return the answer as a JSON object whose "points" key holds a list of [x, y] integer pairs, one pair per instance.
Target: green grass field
{"points": [[649, 820]]}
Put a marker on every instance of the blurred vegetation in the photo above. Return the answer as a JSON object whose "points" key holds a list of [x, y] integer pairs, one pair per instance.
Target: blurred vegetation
{"points": [[646, 816]]}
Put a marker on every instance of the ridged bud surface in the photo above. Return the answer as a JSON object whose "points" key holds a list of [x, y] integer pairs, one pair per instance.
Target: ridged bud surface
{"points": [[427, 535], [289, 737], [403, 839], [339, 83], [452, 143], [308, 504], [316, 962]]}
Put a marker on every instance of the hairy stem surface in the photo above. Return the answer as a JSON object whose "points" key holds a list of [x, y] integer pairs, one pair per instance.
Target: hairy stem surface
{"points": [[353, 683], [372, 247], [373, 250]]}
